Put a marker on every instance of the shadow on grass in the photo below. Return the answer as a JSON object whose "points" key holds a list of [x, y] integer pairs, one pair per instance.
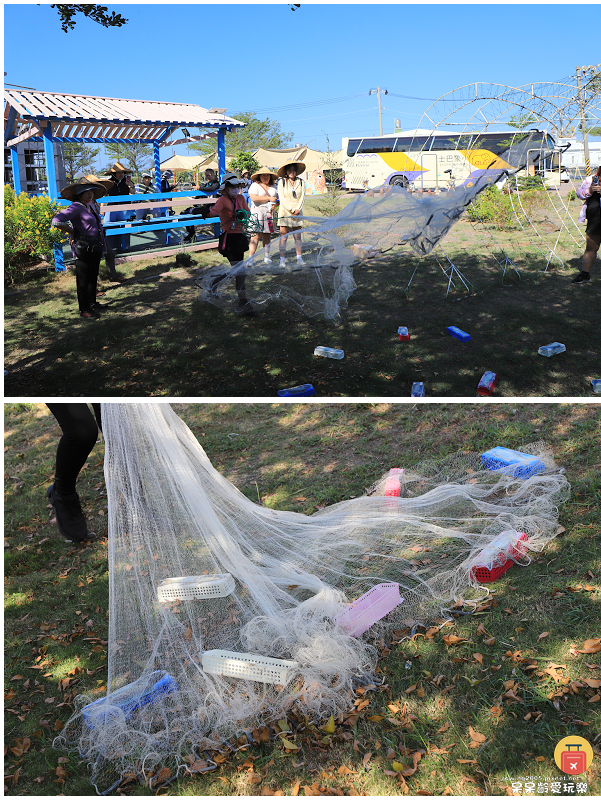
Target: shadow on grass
{"points": [[157, 339]]}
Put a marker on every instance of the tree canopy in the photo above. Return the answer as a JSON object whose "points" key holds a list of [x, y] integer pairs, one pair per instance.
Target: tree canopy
{"points": [[256, 133], [78, 158], [97, 13], [136, 157]]}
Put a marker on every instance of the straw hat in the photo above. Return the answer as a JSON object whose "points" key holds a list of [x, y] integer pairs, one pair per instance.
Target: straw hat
{"points": [[263, 171], [300, 167], [118, 167], [108, 185], [73, 190]]}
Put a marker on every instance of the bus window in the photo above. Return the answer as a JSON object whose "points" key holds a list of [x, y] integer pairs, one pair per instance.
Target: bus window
{"points": [[411, 143], [352, 147], [445, 143], [376, 146]]}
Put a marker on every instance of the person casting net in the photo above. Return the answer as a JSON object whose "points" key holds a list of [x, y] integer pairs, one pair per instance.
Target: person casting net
{"points": [[225, 614]]}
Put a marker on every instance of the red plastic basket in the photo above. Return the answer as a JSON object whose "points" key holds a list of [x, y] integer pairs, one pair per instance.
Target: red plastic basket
{"points": [[484, 575]]}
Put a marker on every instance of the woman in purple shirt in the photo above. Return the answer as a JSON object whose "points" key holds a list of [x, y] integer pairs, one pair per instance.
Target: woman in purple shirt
{"points": [[81, 221]]}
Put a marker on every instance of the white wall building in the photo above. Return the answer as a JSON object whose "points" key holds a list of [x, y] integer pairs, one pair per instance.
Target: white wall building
{"points": [[32, 167], [573, 157]]}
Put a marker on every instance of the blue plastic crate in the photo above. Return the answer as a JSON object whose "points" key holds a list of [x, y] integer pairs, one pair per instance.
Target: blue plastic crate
{"points": [[143, 692], [512, 462], [459, 334], [306, 390]]}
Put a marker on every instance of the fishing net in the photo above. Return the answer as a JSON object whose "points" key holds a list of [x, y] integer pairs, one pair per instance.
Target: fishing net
{"points": [[224, 614], [391, 218], [374, 223]]}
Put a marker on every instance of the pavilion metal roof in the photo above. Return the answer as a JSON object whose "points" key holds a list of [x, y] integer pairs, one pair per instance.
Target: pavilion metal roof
{"points": [[27, 113]]}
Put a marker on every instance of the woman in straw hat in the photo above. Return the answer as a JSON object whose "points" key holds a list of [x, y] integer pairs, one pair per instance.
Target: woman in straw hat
{"points": [[82, 222], [263, 198], [291, 192], [109, 255], [121, 184]]}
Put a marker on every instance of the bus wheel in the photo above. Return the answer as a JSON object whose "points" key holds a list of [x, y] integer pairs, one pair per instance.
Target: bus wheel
{"points": [[399, 180]]}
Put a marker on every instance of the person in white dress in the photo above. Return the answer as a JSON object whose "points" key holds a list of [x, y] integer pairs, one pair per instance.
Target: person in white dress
{"points": [[263, 198]]}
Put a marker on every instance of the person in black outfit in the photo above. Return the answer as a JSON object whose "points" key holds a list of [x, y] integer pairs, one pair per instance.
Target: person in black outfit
{"points": [[210, 186], [590, 192], [80, 431], [81, 221], [109, 255], [122, 185]]}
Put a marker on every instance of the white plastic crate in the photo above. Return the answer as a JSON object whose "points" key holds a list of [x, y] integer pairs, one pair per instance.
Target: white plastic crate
{"points": [[196, 587], [248, 666]]}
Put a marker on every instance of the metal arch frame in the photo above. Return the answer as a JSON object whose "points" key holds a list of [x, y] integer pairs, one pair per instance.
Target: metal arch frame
{"points": [[555, 104]]}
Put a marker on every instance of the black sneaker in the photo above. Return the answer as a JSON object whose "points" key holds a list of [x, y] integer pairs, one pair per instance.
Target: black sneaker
{"points": [[582, 277], [69, 516]]}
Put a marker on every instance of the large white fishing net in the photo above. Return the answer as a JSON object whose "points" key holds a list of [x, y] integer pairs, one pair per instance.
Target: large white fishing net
{"points": [[285, 580], [390, 217]]}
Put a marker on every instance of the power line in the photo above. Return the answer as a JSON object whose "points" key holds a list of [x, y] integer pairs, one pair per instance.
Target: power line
{"points": [[297, 106]]}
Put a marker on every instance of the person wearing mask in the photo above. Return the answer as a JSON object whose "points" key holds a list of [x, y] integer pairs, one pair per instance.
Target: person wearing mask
{"points": [[122, 185], [233, 242], [291, 193], [82, 223], [263, 198], [590, 192]]}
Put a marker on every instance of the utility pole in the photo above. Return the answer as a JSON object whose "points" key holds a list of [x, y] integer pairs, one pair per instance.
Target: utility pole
{"points": [[378, 90], [581, 104]]}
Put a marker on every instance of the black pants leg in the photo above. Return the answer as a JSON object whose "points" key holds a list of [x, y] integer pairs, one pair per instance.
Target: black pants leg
{"points": [[80, 432], [86, 278]]}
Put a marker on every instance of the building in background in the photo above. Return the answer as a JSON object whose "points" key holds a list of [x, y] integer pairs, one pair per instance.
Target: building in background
{"points": [[573, 157], [32, 167]]}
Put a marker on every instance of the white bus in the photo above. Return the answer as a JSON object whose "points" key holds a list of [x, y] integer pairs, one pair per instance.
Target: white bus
{"points": [[438, 159]]}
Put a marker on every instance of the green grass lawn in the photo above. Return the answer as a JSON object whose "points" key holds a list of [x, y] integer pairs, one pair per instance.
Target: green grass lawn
{"points": [[158, 340], [459, 719]]}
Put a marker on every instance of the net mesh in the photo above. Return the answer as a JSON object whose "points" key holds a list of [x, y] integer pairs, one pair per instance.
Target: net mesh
{"points": [[285, 581], [374, 223]]}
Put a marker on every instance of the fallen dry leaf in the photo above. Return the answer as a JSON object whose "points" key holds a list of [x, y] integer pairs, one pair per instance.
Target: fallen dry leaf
{"points": [[478, 657], [452, 639], [444, 728], [543, 636], [477, 737], [590, 646]]}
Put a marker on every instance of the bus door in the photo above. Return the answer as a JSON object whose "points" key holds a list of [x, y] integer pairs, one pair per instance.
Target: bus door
{"points": [[429, 176]]}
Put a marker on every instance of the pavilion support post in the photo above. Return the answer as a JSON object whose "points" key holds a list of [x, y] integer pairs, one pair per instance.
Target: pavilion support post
{"points": [[14, 160], [59, 259], [157, 165], [221, 152]]}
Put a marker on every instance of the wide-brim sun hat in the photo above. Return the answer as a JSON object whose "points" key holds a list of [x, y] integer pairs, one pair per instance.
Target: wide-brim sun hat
{"points": [[263, 171], [147, 175], [108, 185], [300, 167], [73, 190], [118, 167], [229, 179]]}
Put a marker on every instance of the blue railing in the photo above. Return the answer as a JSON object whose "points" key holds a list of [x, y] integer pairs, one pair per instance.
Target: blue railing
{"points": [[125, 227]]}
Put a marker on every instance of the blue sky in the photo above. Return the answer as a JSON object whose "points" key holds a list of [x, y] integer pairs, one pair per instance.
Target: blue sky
{"points": [[265, 58]]}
